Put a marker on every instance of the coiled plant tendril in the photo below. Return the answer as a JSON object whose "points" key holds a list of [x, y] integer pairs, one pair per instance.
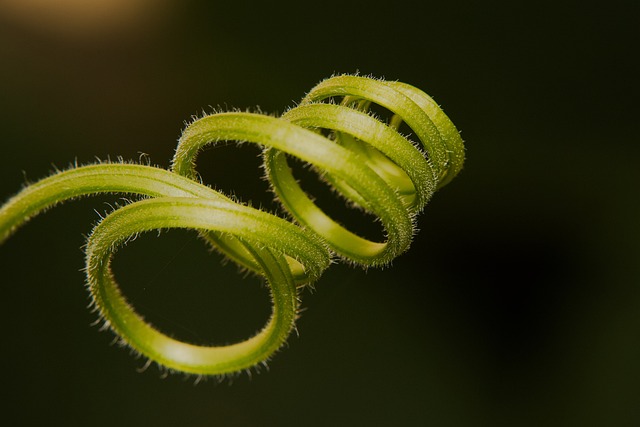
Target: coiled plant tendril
{"points": [[365, 159]]}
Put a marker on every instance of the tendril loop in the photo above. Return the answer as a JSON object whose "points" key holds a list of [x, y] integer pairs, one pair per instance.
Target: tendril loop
{"points": [[365, 159]]}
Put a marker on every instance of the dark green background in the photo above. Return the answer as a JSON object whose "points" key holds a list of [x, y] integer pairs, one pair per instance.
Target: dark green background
{"points": [[518, 303]]}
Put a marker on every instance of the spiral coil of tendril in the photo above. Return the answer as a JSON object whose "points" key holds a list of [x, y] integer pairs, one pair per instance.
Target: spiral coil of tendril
{"points": [[365, 159]]}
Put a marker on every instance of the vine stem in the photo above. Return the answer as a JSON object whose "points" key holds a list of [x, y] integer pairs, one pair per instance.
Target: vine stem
{"points": [[365, 159]]}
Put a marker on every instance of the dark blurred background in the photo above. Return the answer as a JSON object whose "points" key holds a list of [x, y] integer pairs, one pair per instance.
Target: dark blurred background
{"points": [[518, 303]]}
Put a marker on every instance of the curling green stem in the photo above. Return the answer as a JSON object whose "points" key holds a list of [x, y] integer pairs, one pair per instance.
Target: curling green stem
{"points": [[365, 159]]}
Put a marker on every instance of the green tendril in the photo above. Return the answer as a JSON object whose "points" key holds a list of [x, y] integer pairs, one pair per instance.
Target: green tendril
{"points": [[365, 159]]}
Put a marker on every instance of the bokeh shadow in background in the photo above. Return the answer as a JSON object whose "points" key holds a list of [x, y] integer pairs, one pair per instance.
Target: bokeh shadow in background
{"points": [[517, 303]]}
